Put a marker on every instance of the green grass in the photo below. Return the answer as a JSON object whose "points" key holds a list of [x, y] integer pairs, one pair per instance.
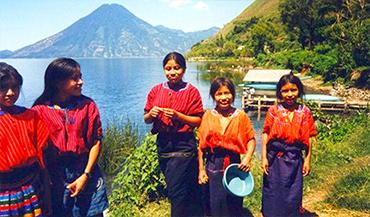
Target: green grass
{"points": [[352, 191]]}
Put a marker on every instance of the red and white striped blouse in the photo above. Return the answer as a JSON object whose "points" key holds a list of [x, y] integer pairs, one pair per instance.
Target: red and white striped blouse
{"points": [[299, 129], [185, 99], [23, 136], [75, 128]]}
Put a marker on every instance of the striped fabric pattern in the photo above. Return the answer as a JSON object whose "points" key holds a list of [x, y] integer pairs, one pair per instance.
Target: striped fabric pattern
{"points": [[299, 129], [23, 136], [74, 128], [21, 202], [185, 99]]}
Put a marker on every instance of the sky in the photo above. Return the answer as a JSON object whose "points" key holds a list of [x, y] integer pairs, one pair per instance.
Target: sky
{"points": [[24, 22]]}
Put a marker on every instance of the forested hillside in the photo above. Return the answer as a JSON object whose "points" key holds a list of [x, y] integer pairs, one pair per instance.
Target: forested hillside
{"points": [[330, 38]]}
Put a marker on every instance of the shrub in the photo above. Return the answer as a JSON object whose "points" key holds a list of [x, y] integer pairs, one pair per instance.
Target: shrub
{"points": [[140, 180]]}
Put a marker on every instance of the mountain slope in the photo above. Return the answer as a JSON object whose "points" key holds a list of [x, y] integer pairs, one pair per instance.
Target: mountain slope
{"points": [[111, 31], [259, 8]]}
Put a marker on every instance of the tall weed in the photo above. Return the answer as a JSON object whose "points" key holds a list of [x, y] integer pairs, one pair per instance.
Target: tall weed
{"points": [[140, 180], [118, 143]]}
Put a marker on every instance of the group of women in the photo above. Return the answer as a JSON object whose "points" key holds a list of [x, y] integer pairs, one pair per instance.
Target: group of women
{"points": [[224, 133], [49, 152]]}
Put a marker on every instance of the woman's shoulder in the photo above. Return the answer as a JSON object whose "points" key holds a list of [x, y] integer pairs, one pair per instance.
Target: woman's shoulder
{"points": [[192, 87]]}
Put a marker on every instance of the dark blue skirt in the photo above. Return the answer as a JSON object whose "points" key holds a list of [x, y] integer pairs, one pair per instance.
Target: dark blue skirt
{"points": [[178, 160], [283, 187], [91, 201], [221, 203]]}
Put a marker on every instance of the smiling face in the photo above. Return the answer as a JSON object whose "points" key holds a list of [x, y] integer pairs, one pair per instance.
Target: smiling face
{"points": [[174, 72], [70, 87], [223, 98], [9, 93], [289, 93]]}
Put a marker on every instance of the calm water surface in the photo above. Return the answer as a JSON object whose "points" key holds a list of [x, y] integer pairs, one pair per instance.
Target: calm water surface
{"points": [[118, 86]]}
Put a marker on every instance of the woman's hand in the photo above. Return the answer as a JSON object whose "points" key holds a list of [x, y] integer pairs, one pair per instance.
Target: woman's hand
{"points": [[265, 166], [78, 185], [203, 177], [154, 112], [245, 164], [170, 113], [306, 167]]}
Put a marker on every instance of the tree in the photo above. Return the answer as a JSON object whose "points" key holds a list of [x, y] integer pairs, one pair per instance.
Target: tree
{"points": [[302, 17]]}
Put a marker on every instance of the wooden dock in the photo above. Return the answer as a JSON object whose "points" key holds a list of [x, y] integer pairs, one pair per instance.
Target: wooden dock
{"points": [[263, 103]]}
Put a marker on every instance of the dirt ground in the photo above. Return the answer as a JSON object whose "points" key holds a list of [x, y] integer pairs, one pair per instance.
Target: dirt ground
{"points": [[354, 95]]}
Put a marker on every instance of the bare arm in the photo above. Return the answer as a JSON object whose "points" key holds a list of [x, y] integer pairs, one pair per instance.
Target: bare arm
{"points": [[152, 115], [246, 161], [264, 161], [77, 186], [193, 121], [202, 177], [307, 159]]}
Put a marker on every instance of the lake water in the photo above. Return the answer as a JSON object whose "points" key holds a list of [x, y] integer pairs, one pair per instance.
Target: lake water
{"points": [[118, 86]]}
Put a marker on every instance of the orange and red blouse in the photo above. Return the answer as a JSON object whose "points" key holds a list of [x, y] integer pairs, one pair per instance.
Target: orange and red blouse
{"points": [[235, 137], [279, 126], [23, 136]]}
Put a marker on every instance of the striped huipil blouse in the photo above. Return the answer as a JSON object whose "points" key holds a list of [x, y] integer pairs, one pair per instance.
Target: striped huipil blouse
{"points": [[186, 99], [75, 128], [279, 126], [23, 137]]}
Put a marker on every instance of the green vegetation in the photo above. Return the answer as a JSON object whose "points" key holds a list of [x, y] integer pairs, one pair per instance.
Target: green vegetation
{"points": [[230, 69], [340, 164], [330, 38], [118, 143], [341, 161], [139, 181]]}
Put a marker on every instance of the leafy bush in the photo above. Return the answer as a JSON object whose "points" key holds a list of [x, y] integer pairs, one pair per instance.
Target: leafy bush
{"points": [[140, 180], [119, 141]]}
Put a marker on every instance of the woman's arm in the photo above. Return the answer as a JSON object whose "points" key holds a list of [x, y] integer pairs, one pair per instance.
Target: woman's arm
{"points": [[77, 186], [264, 161], [307, 160], [202, 177], [246, 161], [152, 114], [193, 121]]}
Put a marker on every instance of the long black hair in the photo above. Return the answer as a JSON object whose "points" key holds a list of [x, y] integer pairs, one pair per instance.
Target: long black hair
{"points": [[57, 72]]}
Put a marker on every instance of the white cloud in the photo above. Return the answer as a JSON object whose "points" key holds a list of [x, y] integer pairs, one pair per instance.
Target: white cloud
{"points": [[178, 3], [201, 6]]}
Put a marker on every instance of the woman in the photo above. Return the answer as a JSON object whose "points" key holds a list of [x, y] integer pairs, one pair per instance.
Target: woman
{"points": [[289, 128], [175, 108]]}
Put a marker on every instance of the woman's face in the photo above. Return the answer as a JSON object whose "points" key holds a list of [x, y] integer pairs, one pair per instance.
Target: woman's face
{"points": [[9, 93], [289, 93], [223, 98], [72, 86], [174, 72]]}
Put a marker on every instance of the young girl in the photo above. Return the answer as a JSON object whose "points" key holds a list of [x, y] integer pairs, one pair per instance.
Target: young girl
{"points": [[224, 134], [175, 108], [23, 137], [73, 119], [289, 129]]}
